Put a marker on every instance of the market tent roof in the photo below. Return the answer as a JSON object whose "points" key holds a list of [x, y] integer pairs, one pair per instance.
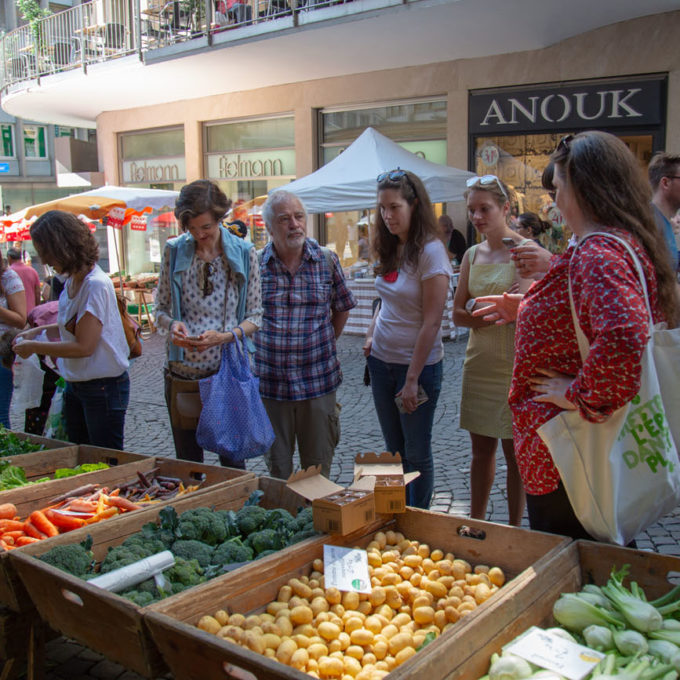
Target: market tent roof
{"points": [[96, 203], [348, 182]]}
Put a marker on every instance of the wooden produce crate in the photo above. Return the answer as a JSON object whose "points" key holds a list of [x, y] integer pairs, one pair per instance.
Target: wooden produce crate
{"points": [[523, 555], [108, 623], [582, 562], [44, 463], [37, 496]]}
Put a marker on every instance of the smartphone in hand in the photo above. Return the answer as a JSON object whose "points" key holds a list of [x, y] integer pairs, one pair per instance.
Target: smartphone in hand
{"points": [[509, 242], [421, 398]]}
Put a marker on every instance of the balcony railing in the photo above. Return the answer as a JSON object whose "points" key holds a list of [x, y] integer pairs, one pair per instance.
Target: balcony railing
{"points": [[107, 29]]}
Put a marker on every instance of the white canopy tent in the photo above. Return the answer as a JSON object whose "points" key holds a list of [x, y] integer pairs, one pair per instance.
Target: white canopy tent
{"points": [[348, 182]]}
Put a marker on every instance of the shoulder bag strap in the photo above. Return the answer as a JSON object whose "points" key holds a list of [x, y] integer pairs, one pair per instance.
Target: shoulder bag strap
{"points": [[583, 343]]}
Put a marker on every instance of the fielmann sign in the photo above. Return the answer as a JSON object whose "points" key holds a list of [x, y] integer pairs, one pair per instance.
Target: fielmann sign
{"points": [[569, 106]]}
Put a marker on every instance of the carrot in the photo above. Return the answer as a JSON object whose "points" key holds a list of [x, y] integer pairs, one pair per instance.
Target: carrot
{"points": [[8, 540], [5, 546], [10, 525], [64, 522], [41, 523], [104, 514], [122, 503], [32, 531], [13, 534], [78, 505], [25, 540], [8, 511]]}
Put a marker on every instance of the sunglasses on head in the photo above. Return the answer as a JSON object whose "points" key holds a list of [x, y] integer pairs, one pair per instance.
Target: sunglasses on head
{"points": [[486, 180], [208, 285], [565, 143], [395, 176]]}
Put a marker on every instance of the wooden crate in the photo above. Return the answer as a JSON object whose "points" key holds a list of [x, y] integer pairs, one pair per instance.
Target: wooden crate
{"points": [[522, 554], [108, 623], [30, 498], [44, 463], [582, 562]]}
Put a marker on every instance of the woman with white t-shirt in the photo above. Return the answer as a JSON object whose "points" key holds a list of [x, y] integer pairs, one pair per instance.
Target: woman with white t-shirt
{"points": [[404, 346], [12, 315], [92, 351]]}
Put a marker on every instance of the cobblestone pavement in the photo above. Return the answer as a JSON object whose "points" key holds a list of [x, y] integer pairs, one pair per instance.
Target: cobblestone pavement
{"points": [[148, 431]]}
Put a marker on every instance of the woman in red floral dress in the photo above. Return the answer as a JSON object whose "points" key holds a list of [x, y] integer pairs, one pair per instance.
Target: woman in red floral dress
{"points": [[600, 187]]}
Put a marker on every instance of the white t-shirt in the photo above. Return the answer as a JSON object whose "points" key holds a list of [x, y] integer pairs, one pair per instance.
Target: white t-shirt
{"points": [[11, 283], [110, 357], [401, 312]]}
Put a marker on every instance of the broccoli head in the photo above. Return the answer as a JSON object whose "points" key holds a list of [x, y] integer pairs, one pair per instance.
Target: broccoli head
{"points": [[264, 553], [301, 536], [191, 549], [304, 519], [280, 520], [186, 573], [74, 559], [202, 524], [267, 539], [143, 544], [250, 518], [131, 550], [232, 551], [138, 597]]}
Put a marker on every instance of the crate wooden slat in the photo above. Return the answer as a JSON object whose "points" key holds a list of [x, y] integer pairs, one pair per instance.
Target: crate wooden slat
{"points": [[44, 463], [30, 498], [523, 555], [107, 622]]}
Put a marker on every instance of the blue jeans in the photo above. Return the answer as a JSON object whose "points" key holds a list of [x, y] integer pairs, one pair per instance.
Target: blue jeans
{"points": [[410, 434], [6, 389], [94, 411]]}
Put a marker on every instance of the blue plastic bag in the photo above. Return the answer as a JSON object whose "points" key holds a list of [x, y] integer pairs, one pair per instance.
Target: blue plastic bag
{"points": [[233, 421]]}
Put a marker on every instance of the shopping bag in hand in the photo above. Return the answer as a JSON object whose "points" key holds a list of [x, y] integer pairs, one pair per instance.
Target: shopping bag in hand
{"points": [[55, 428], [233, 421]]}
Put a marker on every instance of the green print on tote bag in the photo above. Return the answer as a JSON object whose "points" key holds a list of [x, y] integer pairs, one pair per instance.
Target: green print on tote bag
{"points": [[622, 475]]}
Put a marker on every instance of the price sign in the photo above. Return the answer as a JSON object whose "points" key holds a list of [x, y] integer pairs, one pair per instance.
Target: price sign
{"points": [[346, 569], [555, 653]]}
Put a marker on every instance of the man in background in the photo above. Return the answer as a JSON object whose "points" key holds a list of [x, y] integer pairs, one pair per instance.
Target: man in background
{"points": [[306, 304], [664, 176], [29, 277]]}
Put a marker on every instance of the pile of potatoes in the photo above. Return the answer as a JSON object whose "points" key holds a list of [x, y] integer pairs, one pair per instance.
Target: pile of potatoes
{"points": [[416, 595]]}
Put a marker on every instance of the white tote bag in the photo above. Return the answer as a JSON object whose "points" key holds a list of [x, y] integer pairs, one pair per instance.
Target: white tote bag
{"points": [[623, 474]]}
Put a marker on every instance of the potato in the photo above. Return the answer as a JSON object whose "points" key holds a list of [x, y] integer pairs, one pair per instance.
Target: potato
{"points": [[317, 565], [254, 642], [381, 539], [390, 579], [361, 636], [302, 641], [251, 621], [365, 608], [328, 630], [234, 632], [391, 537], [423, 615], [413, 561], [317, 650], [386, 611], [377, 596], [466, 607], [271, 641], [389, 631], [368, 659], [399, 642], [333, 595], [380, 649], [285, 593], [237, 620], [393, 598], [374, 624], [374, 559], [209, 624], [299, 659], [306, 629], [353, 623], [351, 665], [435, 588], [482, 593], [221, 617], [330, 667], [404, 655], [401, 620], [440, 619], [496, 576], [301, 614], [356, 651], [452, 614], [285, 625], [350, 600], [321, 617], [416, 579]]}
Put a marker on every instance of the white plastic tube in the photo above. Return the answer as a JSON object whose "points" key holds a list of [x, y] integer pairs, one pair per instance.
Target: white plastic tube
{"points": [[132, 574]]}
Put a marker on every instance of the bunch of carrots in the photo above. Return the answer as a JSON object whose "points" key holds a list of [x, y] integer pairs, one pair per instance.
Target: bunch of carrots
{"points": [[66, 513]]}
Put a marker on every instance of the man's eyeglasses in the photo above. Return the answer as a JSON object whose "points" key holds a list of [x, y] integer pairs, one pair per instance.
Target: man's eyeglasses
{"points": [[395, 176], [672, 176], [486, 180], [208, 285]]}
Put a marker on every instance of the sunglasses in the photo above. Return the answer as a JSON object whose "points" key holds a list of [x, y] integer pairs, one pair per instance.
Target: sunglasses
{"points": [[395, 176], [565, 143], [486, 180], [208, 285]]}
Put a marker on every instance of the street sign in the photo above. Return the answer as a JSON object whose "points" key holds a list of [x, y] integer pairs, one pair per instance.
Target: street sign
{"points": [[4, 167]]}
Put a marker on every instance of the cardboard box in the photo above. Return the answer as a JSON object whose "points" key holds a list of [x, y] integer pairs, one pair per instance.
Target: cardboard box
{"points": [[336, 509], [390, 480]]}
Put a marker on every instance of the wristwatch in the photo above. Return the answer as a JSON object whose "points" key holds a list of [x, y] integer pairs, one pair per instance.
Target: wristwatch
{"points": [[470, 305]]}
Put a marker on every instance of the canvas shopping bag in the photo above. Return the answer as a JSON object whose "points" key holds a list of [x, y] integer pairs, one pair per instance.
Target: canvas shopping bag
{"points": [[622, 475], [233, 420]]}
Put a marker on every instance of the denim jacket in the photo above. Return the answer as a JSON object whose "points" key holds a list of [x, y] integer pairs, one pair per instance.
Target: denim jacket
{"points": [[181, 251]]}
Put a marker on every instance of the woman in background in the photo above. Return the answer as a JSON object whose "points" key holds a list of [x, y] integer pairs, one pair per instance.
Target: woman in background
{"points": [[12, 316], [487, 268], [404, 346], [530, 226], [92, 351]]}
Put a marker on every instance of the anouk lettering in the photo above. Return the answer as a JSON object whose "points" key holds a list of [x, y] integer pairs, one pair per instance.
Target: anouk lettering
{"points": [[557, 108]]}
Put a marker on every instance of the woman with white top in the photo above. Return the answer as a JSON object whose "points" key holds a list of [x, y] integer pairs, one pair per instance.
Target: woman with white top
{"points": [[92, 353], [12, 315]]}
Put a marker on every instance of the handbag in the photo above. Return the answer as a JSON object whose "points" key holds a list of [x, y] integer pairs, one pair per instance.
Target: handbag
{"points": [[233, 421], [623, 474], [185, 402], [133, 333]]}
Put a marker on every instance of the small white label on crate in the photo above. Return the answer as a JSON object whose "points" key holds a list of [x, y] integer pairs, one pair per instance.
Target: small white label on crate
{"points": [[346, 569], [555, 653]]}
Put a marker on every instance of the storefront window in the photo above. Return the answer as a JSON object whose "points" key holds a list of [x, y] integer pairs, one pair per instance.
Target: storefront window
{"points": [[420, 127], [35, 141], [7, 135], [152, 159], [247, 159]]}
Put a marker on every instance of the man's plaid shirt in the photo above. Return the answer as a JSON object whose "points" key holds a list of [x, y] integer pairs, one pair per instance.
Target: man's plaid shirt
{"points": [[295, 355]]}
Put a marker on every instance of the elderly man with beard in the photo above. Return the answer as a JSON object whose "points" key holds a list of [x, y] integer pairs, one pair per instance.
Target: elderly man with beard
{"points": [[306, 304]]}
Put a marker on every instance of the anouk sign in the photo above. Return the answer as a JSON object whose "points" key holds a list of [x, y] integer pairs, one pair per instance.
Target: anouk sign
{"points": [[561, 107]]}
